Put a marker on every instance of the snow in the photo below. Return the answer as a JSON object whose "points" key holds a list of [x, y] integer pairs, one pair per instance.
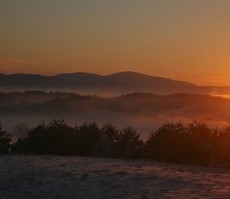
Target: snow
{"points": [[48, 177]]}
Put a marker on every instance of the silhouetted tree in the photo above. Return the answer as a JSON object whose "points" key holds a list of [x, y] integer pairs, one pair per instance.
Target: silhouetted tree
{"points": [[129, 143], [4, 141], [195, 143], [21, 131], [222, 148], [88, 138], [201, 141], [108, 141], [169, 142]]}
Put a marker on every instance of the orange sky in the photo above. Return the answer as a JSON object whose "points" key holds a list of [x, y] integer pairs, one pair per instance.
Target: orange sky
{"points": [[181, 39]]}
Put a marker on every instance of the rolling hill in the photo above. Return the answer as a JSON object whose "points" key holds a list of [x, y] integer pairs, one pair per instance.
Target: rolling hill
{"points": [[115, 84]]}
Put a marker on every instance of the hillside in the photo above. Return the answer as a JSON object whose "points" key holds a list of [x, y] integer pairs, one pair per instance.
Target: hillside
{"points": [[115, 84], [138, 109]]}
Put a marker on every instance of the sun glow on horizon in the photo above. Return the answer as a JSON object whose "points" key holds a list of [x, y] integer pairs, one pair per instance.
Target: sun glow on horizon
{"points": [[183, 40]]}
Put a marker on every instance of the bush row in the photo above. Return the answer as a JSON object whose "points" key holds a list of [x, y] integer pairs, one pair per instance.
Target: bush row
{"points": [[193, 143]]}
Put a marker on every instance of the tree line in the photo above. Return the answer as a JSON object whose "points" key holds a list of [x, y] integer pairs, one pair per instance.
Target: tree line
{"points": [[192, 143]]}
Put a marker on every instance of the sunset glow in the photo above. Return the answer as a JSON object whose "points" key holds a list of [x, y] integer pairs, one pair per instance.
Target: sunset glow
{"points": [[114, 99], [182, 39]]}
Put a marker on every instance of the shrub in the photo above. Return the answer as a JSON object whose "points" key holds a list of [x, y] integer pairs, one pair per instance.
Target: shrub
{"points": [[4, 141], [88, 137], [169, 142], [129, 143]]}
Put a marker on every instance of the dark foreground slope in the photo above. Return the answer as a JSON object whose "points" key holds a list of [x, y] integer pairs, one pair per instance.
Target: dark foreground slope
{"points": [[24, 177]]}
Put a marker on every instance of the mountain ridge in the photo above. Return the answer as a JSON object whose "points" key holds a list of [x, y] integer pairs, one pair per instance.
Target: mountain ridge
{"points": [[117, 83]]}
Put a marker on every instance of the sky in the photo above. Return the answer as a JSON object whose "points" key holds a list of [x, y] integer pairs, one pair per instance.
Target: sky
{"points": [[181, 39]]}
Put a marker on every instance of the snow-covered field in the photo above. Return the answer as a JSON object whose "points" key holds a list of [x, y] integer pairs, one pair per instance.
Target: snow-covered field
{"points": [[75, 177]]}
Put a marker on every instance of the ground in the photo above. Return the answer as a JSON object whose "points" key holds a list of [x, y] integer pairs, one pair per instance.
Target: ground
{"points": [[53, 177]]}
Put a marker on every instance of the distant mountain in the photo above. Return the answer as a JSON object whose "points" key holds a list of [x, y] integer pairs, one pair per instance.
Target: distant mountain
{"points": [[88, 83]]}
